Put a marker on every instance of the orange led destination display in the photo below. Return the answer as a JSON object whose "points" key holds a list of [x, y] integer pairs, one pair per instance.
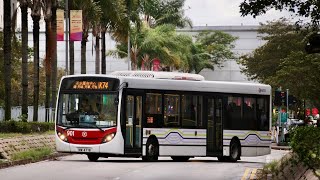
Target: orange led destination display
{"points": [[90, 85]]}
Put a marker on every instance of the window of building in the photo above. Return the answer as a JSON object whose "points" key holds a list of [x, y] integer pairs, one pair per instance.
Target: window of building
{"points": [[171, 110]]}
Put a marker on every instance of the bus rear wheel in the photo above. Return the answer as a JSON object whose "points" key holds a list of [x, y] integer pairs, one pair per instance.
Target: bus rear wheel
{"points": [[180, 158], [93, 157], [152, 151], [235, 151]]}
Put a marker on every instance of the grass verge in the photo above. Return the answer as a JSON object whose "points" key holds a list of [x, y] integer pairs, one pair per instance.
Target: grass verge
{"points": [[33, 154]]}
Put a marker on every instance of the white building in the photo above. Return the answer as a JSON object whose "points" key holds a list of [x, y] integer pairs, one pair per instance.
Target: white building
{"points": [[247, 41]]}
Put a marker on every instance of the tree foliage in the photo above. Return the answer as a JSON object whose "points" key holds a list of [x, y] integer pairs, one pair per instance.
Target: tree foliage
{"points": [[178, 51], [303, 8], [159, 12], [282, 61], [305, 143]]}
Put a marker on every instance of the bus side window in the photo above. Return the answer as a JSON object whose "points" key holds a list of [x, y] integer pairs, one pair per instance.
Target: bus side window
{"points": [[153, 110]]}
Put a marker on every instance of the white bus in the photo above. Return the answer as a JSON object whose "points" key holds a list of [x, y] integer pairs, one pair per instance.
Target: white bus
{"points": [[151, 114]]}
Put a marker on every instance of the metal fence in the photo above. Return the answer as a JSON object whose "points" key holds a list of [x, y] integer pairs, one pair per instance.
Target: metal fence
{"points": [[16, 113]]}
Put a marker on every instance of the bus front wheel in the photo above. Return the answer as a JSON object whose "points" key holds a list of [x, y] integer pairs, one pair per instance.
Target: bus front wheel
{"points": [[152, 151], [93, 157], [235, 150]]}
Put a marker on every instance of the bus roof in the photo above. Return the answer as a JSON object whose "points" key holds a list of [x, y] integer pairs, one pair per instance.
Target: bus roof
{"points": [[161, 81], [159, 75]]}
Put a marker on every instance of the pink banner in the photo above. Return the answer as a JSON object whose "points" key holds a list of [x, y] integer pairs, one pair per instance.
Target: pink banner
{"points": [[60, 25], [75, 25]]}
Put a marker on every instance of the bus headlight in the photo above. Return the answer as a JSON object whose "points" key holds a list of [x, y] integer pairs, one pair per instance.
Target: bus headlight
{"points": [[63, 137], [108, 137]]}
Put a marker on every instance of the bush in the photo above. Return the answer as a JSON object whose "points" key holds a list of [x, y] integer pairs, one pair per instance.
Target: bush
{"points": [[305, 143], [25, 127]]}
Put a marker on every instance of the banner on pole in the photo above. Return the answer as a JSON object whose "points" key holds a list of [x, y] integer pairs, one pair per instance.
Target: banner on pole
{"points": [[60, 25], [75, 25]]}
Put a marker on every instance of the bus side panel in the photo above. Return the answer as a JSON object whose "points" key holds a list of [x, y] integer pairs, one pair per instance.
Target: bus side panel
{"points": [[253, 143], [177, 142]]}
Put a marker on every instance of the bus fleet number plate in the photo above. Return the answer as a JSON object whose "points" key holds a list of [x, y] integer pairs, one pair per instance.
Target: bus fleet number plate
{"points": [[84, 149]]}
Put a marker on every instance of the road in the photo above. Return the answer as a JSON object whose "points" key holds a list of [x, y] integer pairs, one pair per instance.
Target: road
{"points": [[78, 167]]}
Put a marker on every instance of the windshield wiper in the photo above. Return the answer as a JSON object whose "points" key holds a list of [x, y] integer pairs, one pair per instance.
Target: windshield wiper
{"points": [[94, 125]]}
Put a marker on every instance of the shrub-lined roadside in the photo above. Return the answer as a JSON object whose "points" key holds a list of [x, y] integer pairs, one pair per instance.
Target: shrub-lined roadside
{"points": [[304, 160], [25, 127], [27, 148]]}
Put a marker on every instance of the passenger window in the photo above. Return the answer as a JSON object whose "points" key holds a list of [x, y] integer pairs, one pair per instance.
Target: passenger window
{"points": [[153, 111], [189, 111], [171, 110]]}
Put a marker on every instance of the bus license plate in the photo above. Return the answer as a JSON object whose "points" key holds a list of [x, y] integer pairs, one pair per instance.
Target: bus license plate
{"points": [[84, 149]]}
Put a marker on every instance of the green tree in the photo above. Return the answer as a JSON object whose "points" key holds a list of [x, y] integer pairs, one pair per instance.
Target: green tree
{"points": [[158, 12], [302, 8], [113, 20], [91, 13], [211, 48], [282, 60], [161, 42]]}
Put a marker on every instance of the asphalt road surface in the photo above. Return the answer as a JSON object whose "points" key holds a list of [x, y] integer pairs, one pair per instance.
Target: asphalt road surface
{"points": [[79, 168]]}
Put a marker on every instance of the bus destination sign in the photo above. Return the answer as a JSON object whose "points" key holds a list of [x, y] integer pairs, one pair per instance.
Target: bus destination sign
{"points": [[100, 85]]}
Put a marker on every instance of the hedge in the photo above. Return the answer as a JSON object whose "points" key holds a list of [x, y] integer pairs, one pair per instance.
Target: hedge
{"points": [[305, 142], [25, 127]]}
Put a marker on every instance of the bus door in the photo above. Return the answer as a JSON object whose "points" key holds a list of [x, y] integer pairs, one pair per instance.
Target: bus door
{"points": [[133, 118], [214, 117]]}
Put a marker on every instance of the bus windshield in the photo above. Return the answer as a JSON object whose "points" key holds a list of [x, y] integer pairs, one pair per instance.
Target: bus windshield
{"points": [[98, 110]]}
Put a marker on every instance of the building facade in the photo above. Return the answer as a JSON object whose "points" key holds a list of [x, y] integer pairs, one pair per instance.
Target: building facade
{"points": [[248, 40]]}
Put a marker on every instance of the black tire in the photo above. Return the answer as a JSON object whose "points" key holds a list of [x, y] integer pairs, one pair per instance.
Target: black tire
{"points": [[222, 158], [235, 151], [180, 158], [152, 151], [93, 157]]}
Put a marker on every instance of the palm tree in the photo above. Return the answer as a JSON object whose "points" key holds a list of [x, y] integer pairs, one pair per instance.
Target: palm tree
{"points": [[158, 12], [91, 13], [36, 15], [7, 53], [24, 49], [54, 52], [47, 12], [71, 43]]}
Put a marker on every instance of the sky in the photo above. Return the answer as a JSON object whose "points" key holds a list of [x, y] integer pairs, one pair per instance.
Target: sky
{"points": [[224, 12]]}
